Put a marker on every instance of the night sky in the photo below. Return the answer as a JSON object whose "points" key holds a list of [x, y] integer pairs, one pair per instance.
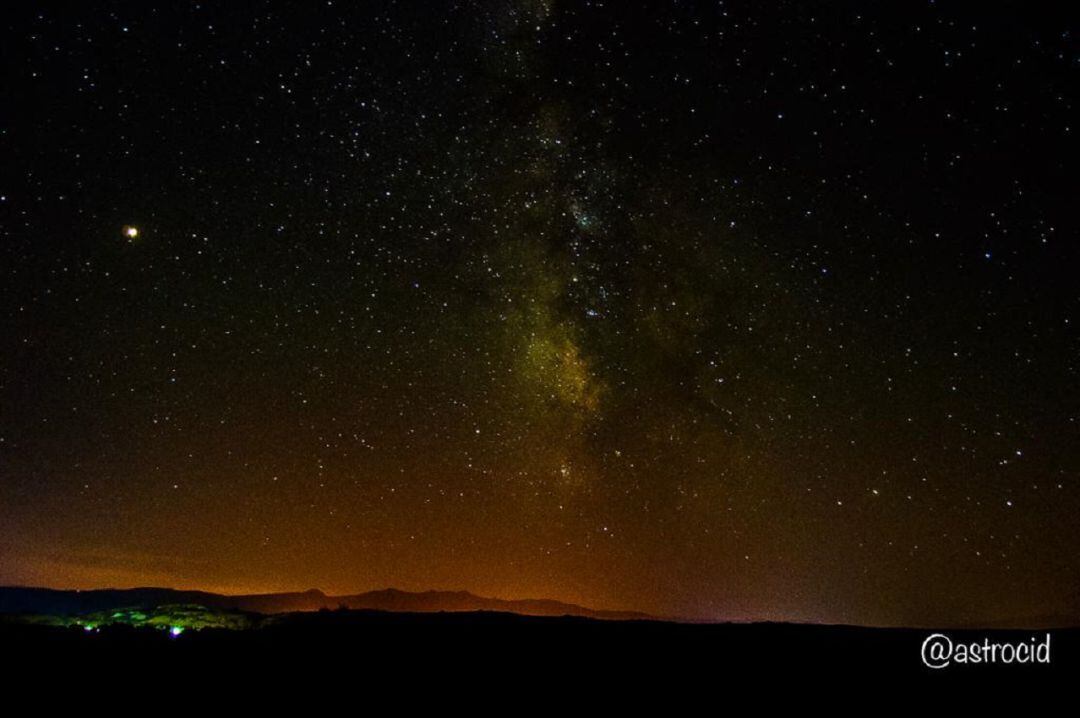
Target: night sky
{"points": [[721, 310]]}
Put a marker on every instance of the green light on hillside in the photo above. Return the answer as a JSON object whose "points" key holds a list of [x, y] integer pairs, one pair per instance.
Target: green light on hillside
{"points": [[176, 631]]}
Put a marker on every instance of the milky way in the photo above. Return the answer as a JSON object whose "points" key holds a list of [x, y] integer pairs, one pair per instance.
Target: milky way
{"points": [[730, 310]]}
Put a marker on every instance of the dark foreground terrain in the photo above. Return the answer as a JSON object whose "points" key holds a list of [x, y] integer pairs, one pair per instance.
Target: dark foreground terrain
{"points": [[370, 645]]}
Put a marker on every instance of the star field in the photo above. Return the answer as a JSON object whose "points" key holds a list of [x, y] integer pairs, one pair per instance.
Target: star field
{"points": [[723, 310]]}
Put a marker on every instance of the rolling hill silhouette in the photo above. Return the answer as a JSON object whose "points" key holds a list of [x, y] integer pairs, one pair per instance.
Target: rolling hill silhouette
{"points": [[25, 600]]}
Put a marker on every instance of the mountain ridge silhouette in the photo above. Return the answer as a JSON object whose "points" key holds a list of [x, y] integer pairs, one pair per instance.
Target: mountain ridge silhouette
{"points": [[35, 600]]}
